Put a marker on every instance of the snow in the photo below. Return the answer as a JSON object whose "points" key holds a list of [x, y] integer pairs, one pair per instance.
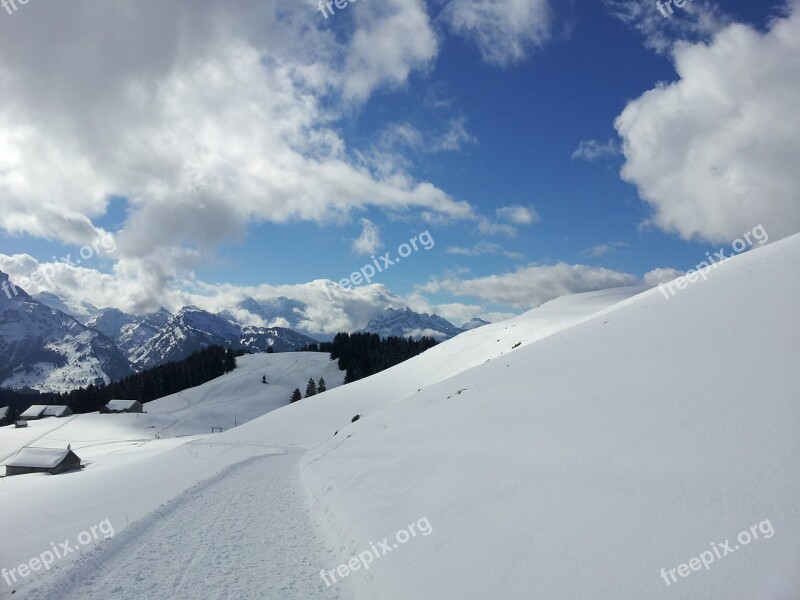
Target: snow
{"points": [[571, 452]]}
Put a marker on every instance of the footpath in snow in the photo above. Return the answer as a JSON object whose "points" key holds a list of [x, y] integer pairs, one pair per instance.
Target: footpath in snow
{"points": [[245, 533]]}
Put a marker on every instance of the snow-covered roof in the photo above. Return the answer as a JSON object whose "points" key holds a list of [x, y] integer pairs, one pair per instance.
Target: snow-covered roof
{"points": [[3, 412], [34, 411], [45, 458], [54, 411], [121, 404]]}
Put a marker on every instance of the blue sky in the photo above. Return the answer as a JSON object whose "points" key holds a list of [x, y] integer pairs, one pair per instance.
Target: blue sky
{"points": [[446, 117]]}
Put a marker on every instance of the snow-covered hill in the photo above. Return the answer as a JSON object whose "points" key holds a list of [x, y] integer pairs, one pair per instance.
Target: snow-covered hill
{"points": [[405, 322], [572, 452]]}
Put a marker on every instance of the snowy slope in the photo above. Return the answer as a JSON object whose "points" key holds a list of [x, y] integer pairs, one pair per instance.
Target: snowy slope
{"points": [[572, 452], [581, 465], [240, 395]]}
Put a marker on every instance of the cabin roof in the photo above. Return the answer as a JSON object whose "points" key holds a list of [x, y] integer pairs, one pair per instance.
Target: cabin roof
{"points": [[35, 410], [121, 404], [44, 458]]}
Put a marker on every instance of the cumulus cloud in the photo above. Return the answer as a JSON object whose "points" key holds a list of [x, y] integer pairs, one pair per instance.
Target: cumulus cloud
{"points": [[504, 30], [716, 152], [206, 116], [529, 286], [592, 150], [370, 239]]}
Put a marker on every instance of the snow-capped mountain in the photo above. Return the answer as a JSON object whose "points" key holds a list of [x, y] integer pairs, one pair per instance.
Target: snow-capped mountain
{"points": [[407, 323], [474, 323], [45, 349], [130, 332], [192, 329], [81, 312]]}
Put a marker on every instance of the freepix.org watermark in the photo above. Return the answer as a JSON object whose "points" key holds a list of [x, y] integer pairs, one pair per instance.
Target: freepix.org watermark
{"points": [[663, 7], [364, 559], [365, 274], [47, 558], [706, 558], [323, 6], [46, 272], [11, 5], [757, 235]]}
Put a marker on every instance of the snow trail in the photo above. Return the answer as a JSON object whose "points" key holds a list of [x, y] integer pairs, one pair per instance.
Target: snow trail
{"points": [[219, 539]]}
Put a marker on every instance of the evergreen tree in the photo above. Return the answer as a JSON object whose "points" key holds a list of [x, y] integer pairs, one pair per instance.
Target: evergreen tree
{"points": [[270, 350], [230, 360], [321, 387], [350, 376], [311, 388], [296, 395]]}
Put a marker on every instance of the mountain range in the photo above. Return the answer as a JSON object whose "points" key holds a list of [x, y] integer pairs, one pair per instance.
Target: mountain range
{"points": [[51, 345], [405, 322]]}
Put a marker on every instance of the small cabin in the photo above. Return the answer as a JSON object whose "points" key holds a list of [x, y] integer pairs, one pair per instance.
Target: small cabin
{"points": [[40, 411], [122, 406], [42, 460]]}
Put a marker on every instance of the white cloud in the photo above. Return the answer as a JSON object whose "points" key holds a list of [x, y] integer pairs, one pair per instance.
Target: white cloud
{"points": [[399, 137], [489, 227], [716, 152], [370, 239], [527, 287], [504, 30], [592, 150], [482, 248], [661, 275], [517, 214], [454, 138]]}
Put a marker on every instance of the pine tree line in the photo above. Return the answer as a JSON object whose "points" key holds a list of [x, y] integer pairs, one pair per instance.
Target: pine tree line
{"points": [[364, 354]]}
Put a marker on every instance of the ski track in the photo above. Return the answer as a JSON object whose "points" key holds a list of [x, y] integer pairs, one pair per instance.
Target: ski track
{"points": [[219, 539]]}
